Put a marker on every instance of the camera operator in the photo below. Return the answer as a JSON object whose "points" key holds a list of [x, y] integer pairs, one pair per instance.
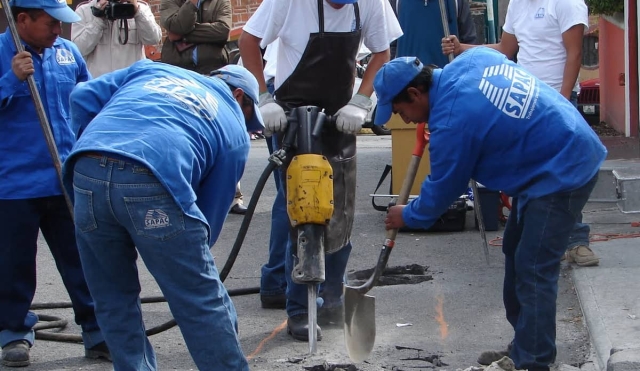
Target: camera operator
{"points": [[112, 34]]}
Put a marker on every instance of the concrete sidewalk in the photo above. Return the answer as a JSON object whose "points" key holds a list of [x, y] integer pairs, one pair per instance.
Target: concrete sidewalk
{"points": [[609, 294]]}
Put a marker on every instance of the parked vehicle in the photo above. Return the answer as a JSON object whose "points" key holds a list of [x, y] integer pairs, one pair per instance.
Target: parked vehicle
{"points": [[589, 100]]}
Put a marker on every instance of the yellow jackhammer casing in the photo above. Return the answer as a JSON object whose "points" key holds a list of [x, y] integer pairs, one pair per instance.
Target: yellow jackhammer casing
{"points": [[309, 190]]}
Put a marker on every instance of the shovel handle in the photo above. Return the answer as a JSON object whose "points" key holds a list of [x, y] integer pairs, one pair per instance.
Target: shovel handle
{"points": [[421, 141], [445, 23], [409, 178]]}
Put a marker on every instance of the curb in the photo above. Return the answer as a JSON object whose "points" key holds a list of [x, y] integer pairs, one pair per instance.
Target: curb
{"points": [[593, 318], [627, 359]]}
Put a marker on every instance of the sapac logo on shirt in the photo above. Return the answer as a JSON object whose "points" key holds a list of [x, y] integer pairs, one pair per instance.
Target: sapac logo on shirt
{"points": [[65, 57], [511, 90]]}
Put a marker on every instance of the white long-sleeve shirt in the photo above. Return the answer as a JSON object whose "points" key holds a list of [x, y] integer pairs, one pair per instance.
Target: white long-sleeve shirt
{"points": [[98, 38]]}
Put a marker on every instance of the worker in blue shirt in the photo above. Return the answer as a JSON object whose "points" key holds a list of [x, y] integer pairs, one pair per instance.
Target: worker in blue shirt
{"points": [[493, 121], [31, 199], [159, 153]]}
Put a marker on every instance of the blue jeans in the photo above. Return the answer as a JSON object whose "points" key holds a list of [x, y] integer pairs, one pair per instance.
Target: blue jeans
{"points": [[121, 210], [580, 234], [276, 274], [272, 279], [20, 221], [535, 238]]}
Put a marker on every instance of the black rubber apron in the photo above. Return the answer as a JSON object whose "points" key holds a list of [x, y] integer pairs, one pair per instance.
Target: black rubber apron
{"points": [[324, 77]]}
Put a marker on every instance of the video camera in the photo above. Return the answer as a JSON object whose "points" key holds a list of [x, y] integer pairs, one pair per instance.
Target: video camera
{"points": [[115, 10]]}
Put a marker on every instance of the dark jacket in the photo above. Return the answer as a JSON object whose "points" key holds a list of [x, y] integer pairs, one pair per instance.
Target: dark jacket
{"points": [[205, 31]]}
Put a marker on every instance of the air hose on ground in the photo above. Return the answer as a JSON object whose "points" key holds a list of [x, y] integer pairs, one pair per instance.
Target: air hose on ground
{"points": [[53, 322]]}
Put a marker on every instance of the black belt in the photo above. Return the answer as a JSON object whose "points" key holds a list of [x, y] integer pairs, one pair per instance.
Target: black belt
{"points": [[100, 156]]}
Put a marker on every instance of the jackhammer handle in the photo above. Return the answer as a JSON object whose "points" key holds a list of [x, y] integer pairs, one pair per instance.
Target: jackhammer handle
{"points": [[320, 122]]}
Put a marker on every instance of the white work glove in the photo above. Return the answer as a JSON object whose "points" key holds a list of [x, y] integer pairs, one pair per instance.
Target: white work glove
{"points": [[351, 117], [273, 115]]}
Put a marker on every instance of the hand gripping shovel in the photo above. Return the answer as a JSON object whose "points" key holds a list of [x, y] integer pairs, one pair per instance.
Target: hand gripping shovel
{"points": [[359, 308]]}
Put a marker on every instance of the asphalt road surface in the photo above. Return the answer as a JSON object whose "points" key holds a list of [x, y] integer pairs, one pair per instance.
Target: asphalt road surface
{"points": [[443, 323]]}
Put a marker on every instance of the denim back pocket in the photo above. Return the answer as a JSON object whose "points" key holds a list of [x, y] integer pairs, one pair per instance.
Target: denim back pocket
{"points": [[157, 217], [84, 219]]}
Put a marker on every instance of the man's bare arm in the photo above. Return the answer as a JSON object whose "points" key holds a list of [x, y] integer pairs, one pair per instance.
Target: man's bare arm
{"points": [[249, 46], [375, 63], [508, 45], [572, 39]]}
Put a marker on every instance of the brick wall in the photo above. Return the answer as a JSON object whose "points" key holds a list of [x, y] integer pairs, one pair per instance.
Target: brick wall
{"points": [[242, 10]]}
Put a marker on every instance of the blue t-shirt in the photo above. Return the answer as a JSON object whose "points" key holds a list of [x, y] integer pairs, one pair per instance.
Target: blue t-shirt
{"points": [[186, 128], [421, 24], [493, 121], [26, 168]]}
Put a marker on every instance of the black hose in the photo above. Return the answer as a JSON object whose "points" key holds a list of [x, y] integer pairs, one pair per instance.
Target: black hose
{"points": [[55, 322], [242, 233]]}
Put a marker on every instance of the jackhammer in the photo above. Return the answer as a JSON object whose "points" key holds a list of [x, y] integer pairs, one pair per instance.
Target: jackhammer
{"points": [[309, 186]]}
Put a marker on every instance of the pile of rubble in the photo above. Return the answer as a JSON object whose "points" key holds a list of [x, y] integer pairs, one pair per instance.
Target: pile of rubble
{"points": [[504, 364]]}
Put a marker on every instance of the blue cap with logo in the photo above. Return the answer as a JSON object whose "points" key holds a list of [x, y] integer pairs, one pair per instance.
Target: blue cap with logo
{"points": [[390, 80], [58, 9], [240, 77]]}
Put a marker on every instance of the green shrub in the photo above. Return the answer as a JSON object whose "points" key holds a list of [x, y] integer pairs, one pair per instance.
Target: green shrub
{"points": [[605, 6]]}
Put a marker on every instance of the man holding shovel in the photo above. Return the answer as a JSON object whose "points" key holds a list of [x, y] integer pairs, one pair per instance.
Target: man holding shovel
{"points": [[493, 121], [31, 199]]}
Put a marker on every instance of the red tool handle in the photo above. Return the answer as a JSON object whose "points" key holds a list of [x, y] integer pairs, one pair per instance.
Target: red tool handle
{"points": [[422, 138]]}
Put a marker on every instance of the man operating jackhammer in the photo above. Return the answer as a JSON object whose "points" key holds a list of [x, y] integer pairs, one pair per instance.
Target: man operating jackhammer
{"points": [[317, 47], [160, 150], [493, 121]]}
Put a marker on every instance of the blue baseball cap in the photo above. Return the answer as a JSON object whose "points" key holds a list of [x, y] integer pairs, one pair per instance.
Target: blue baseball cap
{"points": [[239, 77], [390, 80], [58, 9]]}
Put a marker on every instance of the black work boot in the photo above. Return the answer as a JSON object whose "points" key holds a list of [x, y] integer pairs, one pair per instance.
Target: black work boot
{"points": [[298, 327], [488, 357], [99, 350], [333, 317], [16, 354], [273, 301]]}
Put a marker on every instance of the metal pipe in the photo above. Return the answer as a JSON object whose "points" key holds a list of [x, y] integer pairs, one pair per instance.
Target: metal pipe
{"points": [[491, 24]]}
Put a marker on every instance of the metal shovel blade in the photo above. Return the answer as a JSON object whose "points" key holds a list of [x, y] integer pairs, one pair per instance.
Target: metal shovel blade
{"points": [[359, 324]]}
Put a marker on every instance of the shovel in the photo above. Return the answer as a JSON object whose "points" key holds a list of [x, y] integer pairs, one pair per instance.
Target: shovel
{"points": [[359, 308]]}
